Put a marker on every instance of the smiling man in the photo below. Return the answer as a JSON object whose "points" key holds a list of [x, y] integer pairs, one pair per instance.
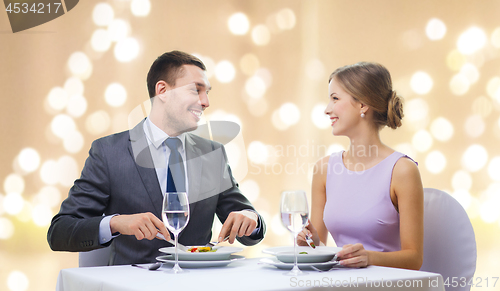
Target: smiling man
{"points": [[118, 199]]}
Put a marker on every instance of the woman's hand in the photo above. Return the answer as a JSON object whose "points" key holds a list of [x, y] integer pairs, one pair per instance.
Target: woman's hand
{"points": [[353, 256], [310, 231]]}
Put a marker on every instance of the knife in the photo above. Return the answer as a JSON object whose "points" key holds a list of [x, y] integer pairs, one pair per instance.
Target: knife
{"points": [[180, 246]]}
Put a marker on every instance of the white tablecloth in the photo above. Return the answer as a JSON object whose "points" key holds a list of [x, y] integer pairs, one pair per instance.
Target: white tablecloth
{"points": [[244, 275]]}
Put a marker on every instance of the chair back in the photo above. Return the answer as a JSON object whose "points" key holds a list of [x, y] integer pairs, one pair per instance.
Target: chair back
{"points": [[94, 258], [449, 240]]}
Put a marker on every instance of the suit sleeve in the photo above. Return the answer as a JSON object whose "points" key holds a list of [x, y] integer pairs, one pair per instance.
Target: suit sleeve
{"points": [[76, 227], [233, 199]]}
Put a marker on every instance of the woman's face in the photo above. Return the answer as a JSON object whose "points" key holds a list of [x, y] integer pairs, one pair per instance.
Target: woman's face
{"points": [[343, 110]]}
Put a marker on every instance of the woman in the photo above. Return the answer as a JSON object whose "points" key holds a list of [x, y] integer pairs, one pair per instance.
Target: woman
{"points": [[370, 197]]}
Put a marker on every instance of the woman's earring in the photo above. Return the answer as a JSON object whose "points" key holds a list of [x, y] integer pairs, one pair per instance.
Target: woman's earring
{"points": [[362, 115]]}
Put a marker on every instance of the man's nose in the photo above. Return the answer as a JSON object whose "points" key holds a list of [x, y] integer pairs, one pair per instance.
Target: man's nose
{"points": [[204, 102]]}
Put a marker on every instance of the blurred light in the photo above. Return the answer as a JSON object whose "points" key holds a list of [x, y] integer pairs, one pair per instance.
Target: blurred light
{"points": [[13, 203], [493, 88], [461, 180], [463, 197], [335, 148], [13, 183], [417, 111], [455, 60], [277, 225], [49, 195], [459, 85], [285, 19], [251, 189], [318, 116], [62, 125], [103, 14], [29, 160], [249, 63], [474, 158], [115, 94], [100, 40], [315, 70], [289, 113], [277, 122], [495, 38], [225, 72], [442, 129], [238, 23], [49, 172], [233, 154], [435, 162], [489, 210], [257, 107], [126, 49], [435, 29], [77, 106], [118, 30], [421, 83], [494, 169], [74, 86], [17, 281], [261, 35], [98, 122], [57, 98], [257, 152], [422, 140], [474, 126], [412, 39], [140, 8], [470, 72], [68, 170], [79, 65], [407, 149], [41, 215], [73, 142], [265, 75], [255, 87], [472, 40], [209, 65], [482, 106], [6, 228]]}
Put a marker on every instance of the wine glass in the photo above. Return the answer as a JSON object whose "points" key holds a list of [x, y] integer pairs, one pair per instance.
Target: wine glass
{"points": [[175, 214], [294, 214]]}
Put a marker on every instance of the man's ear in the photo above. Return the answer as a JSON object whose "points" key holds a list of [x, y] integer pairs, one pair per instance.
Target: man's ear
{"points": [[161, 88]]}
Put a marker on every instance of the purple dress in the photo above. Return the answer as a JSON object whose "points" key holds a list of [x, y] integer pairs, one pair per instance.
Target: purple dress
{"points": [[358, 206]]}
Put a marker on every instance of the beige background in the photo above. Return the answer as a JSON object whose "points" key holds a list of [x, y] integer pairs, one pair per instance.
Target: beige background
{"points": [[333, 33]]}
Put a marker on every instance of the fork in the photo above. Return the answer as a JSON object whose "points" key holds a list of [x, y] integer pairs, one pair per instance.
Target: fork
{"points": [[214, 243]]}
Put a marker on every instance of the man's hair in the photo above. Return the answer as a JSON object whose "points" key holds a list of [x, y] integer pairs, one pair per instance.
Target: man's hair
{"points": [[168, 67]]}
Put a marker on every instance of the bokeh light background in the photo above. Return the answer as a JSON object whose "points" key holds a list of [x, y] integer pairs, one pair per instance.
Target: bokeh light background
{"points": [[77, 78]]}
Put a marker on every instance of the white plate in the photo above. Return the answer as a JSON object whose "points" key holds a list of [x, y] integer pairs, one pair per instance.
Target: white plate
{"points": [[302, 266], [275, 250], [222, 253], [169, 259], [311, 256]]}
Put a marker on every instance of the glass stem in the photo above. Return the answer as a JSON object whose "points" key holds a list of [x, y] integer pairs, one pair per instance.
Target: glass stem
{"points": [[295, 250], [176, 254]]}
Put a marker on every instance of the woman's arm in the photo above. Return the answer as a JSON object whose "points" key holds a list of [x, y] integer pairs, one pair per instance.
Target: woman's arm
{"points": [[407, 195], [316, 228]]}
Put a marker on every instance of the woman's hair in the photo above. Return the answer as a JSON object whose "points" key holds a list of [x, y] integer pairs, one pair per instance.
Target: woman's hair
{"points": [[370, 84]]}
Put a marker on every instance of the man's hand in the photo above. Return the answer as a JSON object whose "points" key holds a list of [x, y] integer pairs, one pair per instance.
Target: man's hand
{"points": [[142, 225], [238, 223]]}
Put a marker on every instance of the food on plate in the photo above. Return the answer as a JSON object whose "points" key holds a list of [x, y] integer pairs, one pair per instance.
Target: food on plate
{"points": [[303, 253], [201, 250]]}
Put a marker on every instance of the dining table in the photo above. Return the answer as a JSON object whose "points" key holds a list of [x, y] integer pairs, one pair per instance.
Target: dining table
{"points": [[244, 274]]}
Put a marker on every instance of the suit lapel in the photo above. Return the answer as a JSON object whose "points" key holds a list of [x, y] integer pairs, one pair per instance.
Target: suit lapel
{"points": [[194, 169], [139, 149]]}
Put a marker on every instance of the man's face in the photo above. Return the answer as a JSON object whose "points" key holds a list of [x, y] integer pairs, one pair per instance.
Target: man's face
{"points": [[185, 102]]}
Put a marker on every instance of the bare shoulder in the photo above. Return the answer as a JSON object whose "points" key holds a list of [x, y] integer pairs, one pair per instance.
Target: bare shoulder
{"points": [[405, 168], [406, 177]]}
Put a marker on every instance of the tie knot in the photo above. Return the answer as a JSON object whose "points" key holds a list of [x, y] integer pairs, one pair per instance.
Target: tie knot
{"points": [[173, 143]]}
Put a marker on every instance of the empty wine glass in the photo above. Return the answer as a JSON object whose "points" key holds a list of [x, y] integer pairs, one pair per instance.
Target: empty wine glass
{"points": [[294, 214], [175, 214]]}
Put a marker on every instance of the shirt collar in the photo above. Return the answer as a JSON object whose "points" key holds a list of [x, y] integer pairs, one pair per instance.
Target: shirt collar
{"points": [[156, 136]]}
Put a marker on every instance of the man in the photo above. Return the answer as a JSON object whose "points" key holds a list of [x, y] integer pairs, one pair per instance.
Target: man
{"points": [[117, 201]]}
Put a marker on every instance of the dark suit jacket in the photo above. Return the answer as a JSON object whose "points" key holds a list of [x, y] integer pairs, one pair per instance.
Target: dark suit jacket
{"points": [[119, 178]]}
